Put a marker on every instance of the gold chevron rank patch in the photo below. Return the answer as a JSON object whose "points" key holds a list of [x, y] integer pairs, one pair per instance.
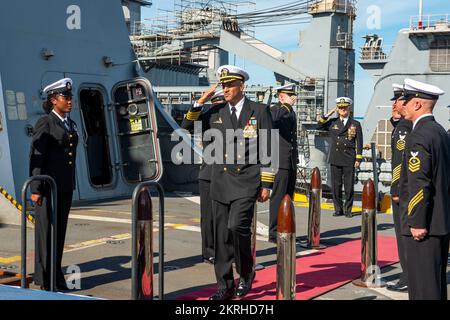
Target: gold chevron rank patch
{"points": [[401, 143], [414, 162]]}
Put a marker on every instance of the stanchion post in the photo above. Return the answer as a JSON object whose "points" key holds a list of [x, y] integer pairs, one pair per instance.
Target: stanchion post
{"points": [[142, 242], [253, 239], [53, 229], [370, 272], [315, 211], [286, 251]]}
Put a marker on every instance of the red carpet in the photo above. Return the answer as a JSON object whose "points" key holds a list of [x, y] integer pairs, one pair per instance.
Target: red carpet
{"points": [[317, 273]]}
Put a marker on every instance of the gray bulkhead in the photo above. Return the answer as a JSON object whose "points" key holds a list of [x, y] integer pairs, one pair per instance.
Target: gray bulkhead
{"points": [[115, 110]]}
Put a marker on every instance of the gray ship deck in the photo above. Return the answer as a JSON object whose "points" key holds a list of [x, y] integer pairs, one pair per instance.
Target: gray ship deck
{"points": [[98, 241]]}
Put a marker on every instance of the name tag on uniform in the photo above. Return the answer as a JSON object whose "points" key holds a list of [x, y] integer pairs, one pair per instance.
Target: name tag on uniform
{"points": [[250, 130]]}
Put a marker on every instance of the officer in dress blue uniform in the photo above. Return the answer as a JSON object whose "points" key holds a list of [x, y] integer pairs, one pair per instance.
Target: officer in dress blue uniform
{"points": [[204, 176], [285, 120], [345, 153], [402, 128], [53, 153], [238, 178], [425, 194]]}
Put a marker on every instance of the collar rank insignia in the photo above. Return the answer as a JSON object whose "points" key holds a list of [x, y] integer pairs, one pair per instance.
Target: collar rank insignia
{"points": [[414, 162]]}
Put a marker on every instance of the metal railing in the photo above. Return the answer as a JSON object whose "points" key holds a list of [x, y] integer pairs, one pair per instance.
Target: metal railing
{"points": [[374, 53], [431, 21], [53, 230]]}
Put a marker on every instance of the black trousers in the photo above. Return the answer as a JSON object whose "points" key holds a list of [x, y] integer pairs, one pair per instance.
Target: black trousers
{"points": [[427, 267], [339, 175], [206, 220], [284, 184], [232, 230], [401, 242], [43, 233]]}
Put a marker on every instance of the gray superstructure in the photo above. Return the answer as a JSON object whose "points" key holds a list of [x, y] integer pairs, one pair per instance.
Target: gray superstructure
{"points": [[124, 131]]}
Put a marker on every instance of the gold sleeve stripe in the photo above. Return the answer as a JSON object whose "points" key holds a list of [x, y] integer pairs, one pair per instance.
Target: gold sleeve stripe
{"points": [[396, 173], [322, 120], [267, 180], [193, 116], [359, 156], [415, 201]]}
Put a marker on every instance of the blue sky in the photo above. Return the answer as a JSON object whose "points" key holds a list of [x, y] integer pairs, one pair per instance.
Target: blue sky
{"points": [[392, 16]]}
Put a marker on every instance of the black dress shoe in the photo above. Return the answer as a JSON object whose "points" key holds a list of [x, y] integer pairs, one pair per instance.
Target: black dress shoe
{"points": [[223, 294], [209, 260], [349, 214], [337, 214], [245, 285], [397, 287], [272, 240]]}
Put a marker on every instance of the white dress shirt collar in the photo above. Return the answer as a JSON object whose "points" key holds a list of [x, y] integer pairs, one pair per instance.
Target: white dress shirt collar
{"points": [[238, 107], [61, 118], [344, 119], [421, 117]]}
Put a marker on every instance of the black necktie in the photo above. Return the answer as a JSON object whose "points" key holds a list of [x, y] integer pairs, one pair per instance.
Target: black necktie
{"points": [[343, 122], [234, 119], [66, 124]]}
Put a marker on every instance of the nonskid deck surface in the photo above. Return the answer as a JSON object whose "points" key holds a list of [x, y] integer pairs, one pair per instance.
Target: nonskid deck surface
{"points": [[99, 244]]}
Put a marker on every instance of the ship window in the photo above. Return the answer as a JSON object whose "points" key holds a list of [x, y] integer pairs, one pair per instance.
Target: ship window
{"points": [[440, 55]]}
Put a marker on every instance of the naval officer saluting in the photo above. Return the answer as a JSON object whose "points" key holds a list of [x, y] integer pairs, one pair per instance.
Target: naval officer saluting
{"points": [[425, 194], [345, 153], [239, 182], [204, 177], [53, 153], [284, 119]]}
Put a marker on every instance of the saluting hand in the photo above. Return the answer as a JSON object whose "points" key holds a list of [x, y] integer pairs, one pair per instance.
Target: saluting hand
{"points": [[331, 112], [357, 164], [207, 95]]}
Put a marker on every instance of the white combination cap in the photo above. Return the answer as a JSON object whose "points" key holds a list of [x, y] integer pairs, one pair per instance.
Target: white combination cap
{"points": [[287, 88], [229, 73], [63, 86], [344, 102], [417, 89]]}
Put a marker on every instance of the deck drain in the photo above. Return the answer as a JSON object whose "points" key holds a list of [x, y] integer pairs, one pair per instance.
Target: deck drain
{"points": [[115, 242], [10, 267], [81, 224]]}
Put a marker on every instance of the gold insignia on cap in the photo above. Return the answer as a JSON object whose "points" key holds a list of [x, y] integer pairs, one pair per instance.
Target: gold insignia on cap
{"points": [[224, 72]]}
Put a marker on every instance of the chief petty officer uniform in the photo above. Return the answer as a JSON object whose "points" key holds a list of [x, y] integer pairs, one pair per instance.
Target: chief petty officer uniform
{"points": [[53, 153], [345, 149], [402, 128], [204, 180], [425, 199], [235, 185], [285, 120]]}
